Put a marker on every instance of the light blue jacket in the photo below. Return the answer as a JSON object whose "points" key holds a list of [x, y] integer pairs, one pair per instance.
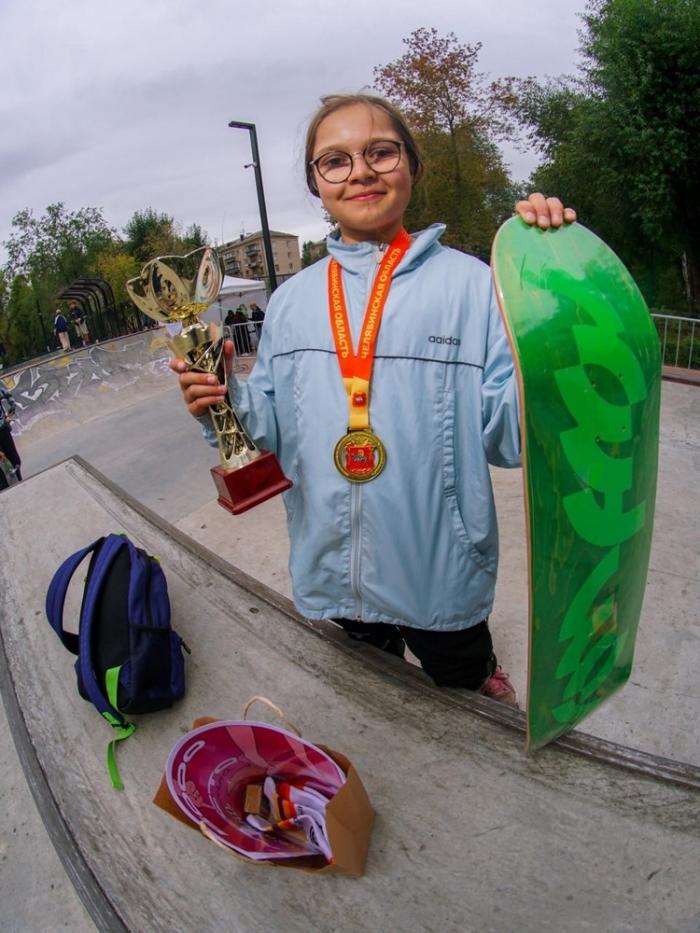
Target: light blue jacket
{"points": [[418, 545]]}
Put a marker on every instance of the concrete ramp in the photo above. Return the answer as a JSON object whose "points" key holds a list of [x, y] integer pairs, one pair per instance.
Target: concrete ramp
{"points": [[470, 835]]}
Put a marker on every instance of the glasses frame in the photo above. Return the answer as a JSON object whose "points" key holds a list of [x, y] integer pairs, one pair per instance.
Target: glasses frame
{"points": [[353, 155]]}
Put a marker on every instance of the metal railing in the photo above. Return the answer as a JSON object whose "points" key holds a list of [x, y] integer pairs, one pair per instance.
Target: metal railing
{"points": [[678, 344]]}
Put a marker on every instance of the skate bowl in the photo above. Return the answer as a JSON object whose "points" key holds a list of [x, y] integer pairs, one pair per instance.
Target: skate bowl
{"points": [[470, 832], [66, 389]]}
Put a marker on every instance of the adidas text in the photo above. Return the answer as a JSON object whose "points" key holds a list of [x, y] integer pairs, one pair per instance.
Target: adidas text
{"points": [[453, 340]]}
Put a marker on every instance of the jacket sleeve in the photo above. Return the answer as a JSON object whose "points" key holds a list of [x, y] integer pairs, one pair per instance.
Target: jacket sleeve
{"points": [[253, 400], [499, 394]]}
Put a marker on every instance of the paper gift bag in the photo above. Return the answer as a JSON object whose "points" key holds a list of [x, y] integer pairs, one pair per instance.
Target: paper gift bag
{"points": [[211, 767]]}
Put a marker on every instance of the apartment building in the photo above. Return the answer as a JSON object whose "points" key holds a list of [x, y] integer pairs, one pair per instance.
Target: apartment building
{"points": [[245, 257]]}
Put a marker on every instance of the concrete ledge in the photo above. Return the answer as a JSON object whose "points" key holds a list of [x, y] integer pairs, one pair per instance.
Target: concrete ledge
{"points": [[470, 833], [690, 377]]}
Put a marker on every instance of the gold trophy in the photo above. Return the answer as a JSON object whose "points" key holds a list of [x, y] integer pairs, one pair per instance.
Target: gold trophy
{"points": [[178, 289]]}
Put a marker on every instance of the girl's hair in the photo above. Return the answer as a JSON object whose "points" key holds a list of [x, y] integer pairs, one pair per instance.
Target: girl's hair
{"points": [[334, 102]]}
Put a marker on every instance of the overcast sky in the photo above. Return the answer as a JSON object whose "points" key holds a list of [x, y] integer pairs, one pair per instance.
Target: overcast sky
{"points": [[126, 105]]}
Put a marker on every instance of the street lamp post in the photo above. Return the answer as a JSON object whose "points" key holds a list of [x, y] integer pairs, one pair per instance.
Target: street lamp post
{"points": [[267, 242], [41, 321]]}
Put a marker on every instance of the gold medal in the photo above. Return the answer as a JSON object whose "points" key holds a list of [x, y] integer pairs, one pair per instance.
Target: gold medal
{"points": [[360, 456]]}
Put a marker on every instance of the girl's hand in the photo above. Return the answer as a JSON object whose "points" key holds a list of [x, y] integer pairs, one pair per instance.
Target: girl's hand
{"points": [[546, 212], [201, 390]]}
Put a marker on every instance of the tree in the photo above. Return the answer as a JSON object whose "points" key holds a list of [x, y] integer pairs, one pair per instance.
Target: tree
{"points": [[311, 252], [60, 243], [623, 142], [195, 237], [457, 119], [116, 267], [149, 234], [44, 254], [22, 329]]}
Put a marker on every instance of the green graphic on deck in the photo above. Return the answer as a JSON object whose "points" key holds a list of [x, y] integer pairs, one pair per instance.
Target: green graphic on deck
{"points": [[589, 369]]}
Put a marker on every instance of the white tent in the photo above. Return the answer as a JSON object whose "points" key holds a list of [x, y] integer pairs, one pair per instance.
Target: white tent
{"points": [[241, 291], [235, 292]]}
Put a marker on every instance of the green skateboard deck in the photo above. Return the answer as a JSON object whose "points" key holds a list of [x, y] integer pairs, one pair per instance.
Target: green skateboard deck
{"points": [[589, 375]]}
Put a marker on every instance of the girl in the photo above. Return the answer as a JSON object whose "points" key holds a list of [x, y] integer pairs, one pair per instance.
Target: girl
{"points": [[385, 385]]}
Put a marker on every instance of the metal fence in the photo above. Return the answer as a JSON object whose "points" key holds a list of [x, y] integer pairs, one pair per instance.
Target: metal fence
{"points": [[678, 344]]}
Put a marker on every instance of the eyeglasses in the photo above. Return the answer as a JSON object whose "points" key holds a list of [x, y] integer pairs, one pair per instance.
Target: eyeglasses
{"points": [[381, 155]]}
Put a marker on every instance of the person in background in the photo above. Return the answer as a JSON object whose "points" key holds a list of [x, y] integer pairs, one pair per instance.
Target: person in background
{"points": [[258, 316], [241, 338], [7, 444], [78, 321], [60, 328]]}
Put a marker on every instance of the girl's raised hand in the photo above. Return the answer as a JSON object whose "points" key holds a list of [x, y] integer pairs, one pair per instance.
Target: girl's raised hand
{"points": [[545, 212]]}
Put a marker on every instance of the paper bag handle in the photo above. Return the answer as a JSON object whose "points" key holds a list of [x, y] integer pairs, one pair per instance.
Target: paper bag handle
{"points": [[274, 707]]}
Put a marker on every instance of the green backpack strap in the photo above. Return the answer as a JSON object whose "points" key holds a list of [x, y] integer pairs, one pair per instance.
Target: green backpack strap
{"points": [[123, 728]]}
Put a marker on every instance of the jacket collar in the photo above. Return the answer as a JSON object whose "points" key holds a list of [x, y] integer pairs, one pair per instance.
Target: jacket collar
{"points": [[358, 257]]}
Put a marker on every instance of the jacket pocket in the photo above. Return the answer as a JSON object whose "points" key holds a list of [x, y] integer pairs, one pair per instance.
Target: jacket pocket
{"points": [[449, 480]]}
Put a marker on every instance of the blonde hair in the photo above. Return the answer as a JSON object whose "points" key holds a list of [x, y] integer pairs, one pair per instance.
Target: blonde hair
{"points": [[334, 102]]}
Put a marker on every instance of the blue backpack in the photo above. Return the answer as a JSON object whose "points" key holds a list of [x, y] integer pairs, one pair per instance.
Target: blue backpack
{"points": [[129, 657]]}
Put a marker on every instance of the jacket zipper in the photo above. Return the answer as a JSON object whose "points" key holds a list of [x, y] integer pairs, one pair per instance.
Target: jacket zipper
{"points": [[356, 489], [355, 554]]}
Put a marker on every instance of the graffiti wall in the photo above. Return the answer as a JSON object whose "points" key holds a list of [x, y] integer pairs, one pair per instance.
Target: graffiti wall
{"points": [[60, 385]]}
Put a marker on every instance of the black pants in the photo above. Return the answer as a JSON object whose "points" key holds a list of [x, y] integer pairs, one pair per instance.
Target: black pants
{"points": [[452, 659], [7, 446]]}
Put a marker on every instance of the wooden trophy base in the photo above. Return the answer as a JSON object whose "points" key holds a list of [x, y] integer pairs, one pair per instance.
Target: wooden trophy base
{"points": [[249, 485]]}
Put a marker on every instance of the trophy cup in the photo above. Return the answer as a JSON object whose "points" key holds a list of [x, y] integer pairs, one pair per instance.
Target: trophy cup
{"points": [[174, 289]]}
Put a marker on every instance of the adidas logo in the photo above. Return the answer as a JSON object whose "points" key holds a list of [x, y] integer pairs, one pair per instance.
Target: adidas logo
{"points": [[455, 341]]}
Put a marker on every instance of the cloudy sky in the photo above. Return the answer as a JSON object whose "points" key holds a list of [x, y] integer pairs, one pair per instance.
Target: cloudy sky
{"points": [[126, 105]]}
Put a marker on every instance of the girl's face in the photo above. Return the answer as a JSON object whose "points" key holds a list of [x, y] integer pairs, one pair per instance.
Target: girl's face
{"points": [[367, 206]]}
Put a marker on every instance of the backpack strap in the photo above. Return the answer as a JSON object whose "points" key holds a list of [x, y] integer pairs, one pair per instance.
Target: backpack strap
{"points": [[97, 692], [104, 699], [56, 596]]}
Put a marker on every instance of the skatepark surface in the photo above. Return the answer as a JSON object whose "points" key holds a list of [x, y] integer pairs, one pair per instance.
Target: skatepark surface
{"points": [[471, 834]]}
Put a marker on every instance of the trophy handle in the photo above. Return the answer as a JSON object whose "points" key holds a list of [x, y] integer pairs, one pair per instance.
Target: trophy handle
{"points": [[204, 353]]}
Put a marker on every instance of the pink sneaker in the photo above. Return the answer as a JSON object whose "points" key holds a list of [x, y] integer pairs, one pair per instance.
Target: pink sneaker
{"points": [[499, 687]]}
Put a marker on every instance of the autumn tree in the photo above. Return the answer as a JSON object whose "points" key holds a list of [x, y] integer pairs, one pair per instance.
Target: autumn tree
{"points": [[116, 267], [456, 116]]}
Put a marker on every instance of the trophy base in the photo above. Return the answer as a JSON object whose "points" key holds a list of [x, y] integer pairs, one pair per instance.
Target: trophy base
{"points": [[249, 485]]}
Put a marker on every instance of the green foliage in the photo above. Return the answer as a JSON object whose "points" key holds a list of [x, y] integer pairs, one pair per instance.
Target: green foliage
{"points": [[150, 233], [46, 254], [116, 267], [311, 252], [21, 330], [194, 237], [456, 118], [622, 144], [59, 244]]}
